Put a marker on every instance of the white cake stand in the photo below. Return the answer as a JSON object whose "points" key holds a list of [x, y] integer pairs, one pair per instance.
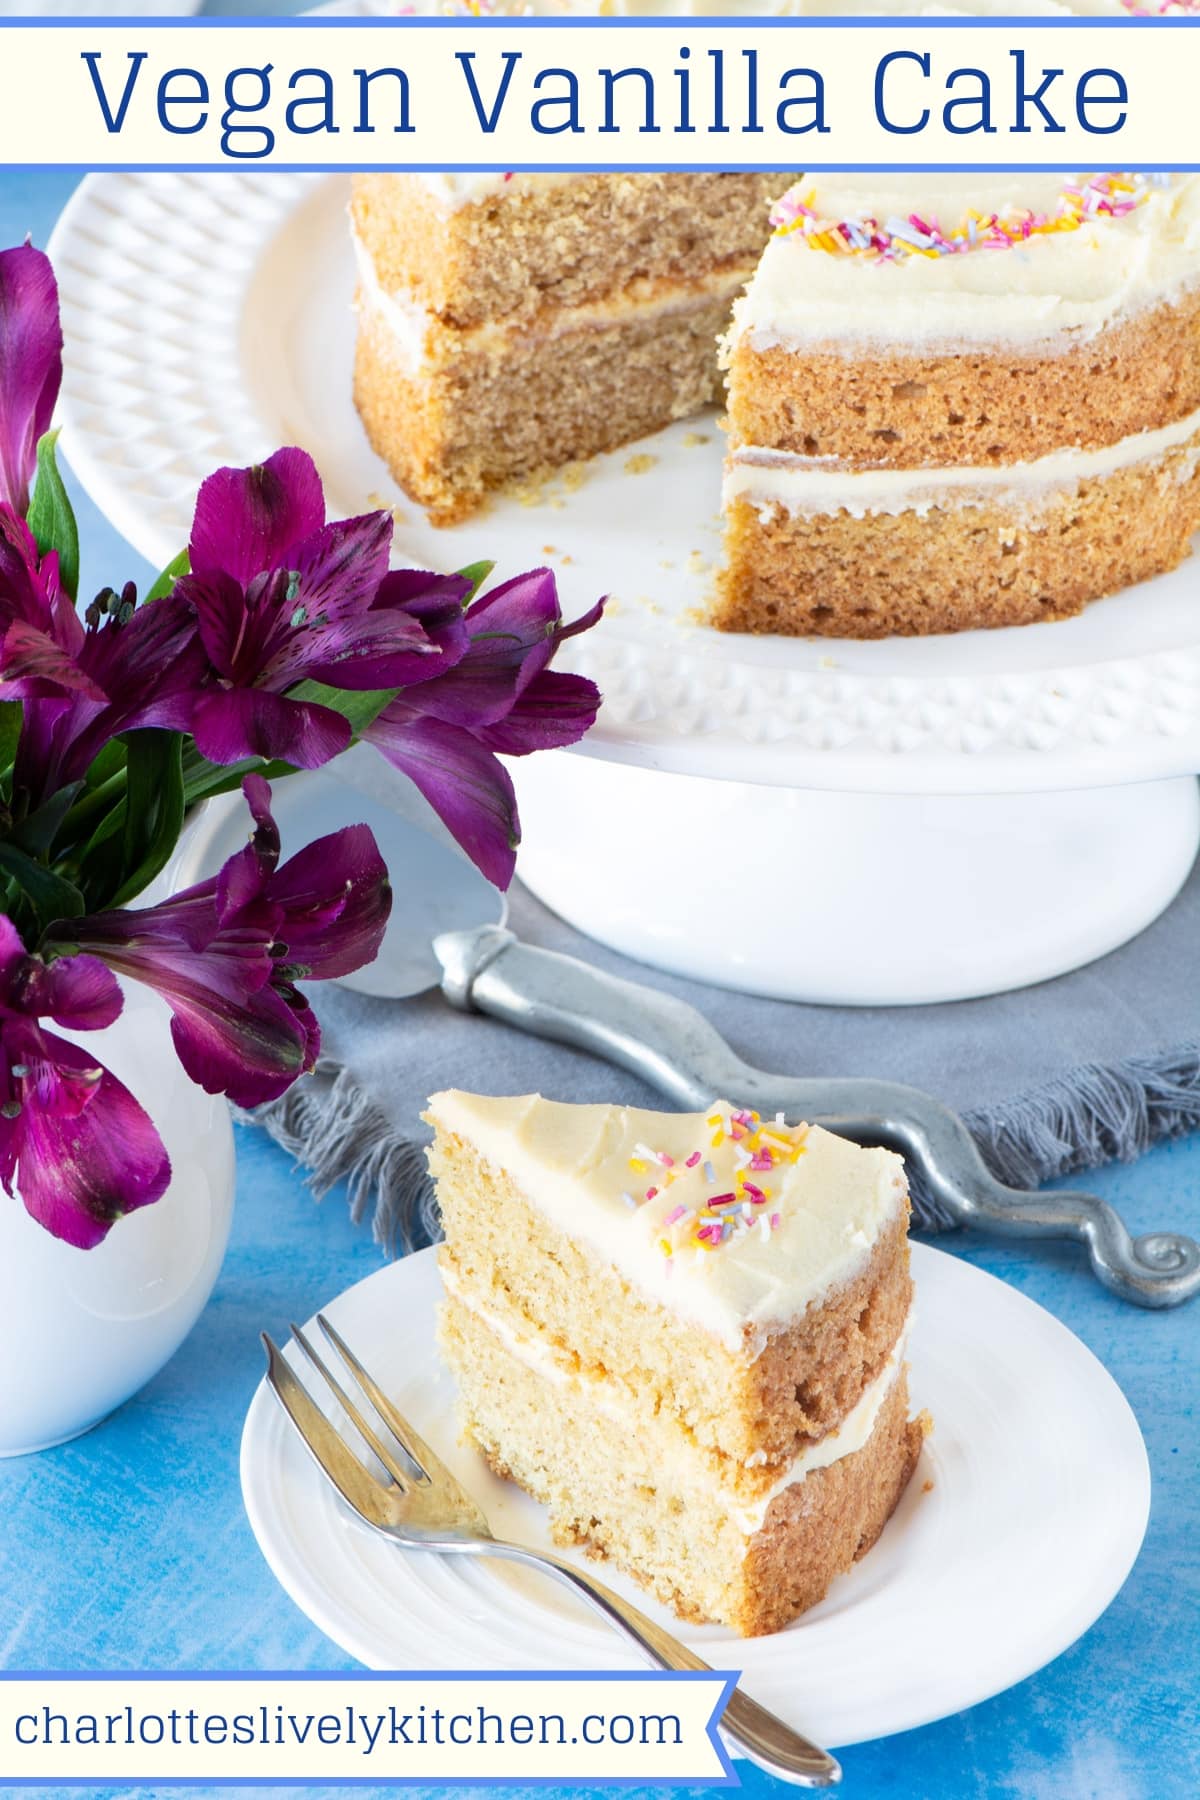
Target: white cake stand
{"points": [[906, 821]]}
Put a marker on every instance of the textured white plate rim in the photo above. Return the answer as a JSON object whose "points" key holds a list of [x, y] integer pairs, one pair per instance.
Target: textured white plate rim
{"points": [[771, 711], [277, 1476]]}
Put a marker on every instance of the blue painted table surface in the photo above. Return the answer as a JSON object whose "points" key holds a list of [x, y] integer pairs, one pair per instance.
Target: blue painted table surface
{"points": [[130, 1549]]}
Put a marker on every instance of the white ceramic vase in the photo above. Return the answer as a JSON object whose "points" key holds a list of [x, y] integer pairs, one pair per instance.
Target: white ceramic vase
{"points": [[82, 1330]]}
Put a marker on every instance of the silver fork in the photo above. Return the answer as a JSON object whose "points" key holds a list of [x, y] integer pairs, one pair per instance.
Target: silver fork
{"points": [[421, 1506]]}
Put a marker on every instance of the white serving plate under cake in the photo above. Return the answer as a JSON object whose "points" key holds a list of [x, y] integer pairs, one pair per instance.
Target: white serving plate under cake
{"points": [[902, 821], [1019, 1527]]}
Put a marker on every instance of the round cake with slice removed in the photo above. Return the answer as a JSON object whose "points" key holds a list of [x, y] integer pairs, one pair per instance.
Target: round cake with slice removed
{"points": [[962, 401]]}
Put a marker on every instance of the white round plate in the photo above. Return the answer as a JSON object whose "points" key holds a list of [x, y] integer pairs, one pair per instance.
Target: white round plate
{"points": [[998, 1557], [208, 320]]}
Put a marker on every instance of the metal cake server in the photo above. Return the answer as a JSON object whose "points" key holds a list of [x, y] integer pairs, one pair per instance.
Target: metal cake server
{"points": [[674, 1048], [482, 967]]}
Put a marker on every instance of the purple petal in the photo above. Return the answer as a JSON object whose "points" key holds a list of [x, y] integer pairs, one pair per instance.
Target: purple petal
{"points": [[248, 520], [80, 994], [341, 566], [380, 650], [553, 710], [33, 666], [85, 1152], [335, 898], [30, 366], [220, 607], [584, 622], [515, 631], [144, 664], [12, 955], [241, 882], [252, 1051], [436, 602], [468, 789], [517, 623], [230, 724], [149, 668], [480, 690], [29, 585], [233, 1031]]}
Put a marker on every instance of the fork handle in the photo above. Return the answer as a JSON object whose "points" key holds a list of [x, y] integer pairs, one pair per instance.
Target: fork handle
{"points": [[766, 1740]]}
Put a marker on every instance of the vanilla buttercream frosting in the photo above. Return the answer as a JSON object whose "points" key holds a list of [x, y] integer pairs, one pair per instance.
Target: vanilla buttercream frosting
{"points": [[1062, 286], [737, 1225], [777, 480]]}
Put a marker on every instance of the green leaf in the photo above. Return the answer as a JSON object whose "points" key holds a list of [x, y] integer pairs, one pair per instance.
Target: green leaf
{"points": [[51, 515], [476, 573], [36, 832], [360, 709], [178, 565], [153, 815], [203, 783], [51, 896], [11, 718]]}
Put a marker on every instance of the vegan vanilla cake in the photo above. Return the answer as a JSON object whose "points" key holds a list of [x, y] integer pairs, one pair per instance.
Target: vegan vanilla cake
{"points": [[962, 401], [685, 1335], [509, 325]]}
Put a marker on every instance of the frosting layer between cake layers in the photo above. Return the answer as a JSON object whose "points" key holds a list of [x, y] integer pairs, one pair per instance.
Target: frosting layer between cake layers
{"points": [[794, 484], [421, 340], [638, 1186], [744, 1492]]}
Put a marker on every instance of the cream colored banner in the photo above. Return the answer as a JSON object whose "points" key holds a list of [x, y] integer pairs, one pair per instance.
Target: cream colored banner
{"points": [[311, 1731], [512, 93]]}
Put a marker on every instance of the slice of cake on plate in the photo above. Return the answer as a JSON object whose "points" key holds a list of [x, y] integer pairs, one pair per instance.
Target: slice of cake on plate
{"points": [[961, 401], [509, 325], [685, 1335]]}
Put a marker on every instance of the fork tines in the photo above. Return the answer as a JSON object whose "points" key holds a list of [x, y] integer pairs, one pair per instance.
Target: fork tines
{"points": [[405, 1474]]}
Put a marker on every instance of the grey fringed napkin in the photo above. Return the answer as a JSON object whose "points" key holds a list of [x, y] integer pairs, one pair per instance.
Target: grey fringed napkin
{"points": [[1095, 1066]]}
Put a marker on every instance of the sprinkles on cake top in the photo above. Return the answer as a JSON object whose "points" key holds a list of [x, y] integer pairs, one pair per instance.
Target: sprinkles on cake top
{"points": [[897, 238], [704, 1221]]}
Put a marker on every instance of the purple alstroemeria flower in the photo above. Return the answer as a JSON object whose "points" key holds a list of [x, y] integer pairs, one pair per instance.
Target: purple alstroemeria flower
{"points": [[226, 954], [73, 1139], [500, 696], [41, 634], [130, 667], [280, 598], [30, 366]]}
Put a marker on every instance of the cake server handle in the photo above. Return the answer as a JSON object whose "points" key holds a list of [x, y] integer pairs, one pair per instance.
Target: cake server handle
{"points": [[764, 1738], [673, 1047]]}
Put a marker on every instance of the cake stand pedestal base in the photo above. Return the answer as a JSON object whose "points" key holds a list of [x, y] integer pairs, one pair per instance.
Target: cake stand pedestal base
{"points": [[850, 899]]}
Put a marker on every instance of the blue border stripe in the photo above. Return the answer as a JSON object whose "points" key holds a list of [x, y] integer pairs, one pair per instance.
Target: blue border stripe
{"points": [[729, 166], [694, 22]]}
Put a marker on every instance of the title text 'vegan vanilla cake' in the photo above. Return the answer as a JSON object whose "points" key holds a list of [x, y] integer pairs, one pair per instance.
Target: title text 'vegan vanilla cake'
{"points": [[685, 1334], [962, 401]]}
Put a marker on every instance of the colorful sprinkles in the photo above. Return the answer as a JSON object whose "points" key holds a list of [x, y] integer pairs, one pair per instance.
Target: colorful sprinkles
{"points": [[896, 239], [706, 1221]]}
